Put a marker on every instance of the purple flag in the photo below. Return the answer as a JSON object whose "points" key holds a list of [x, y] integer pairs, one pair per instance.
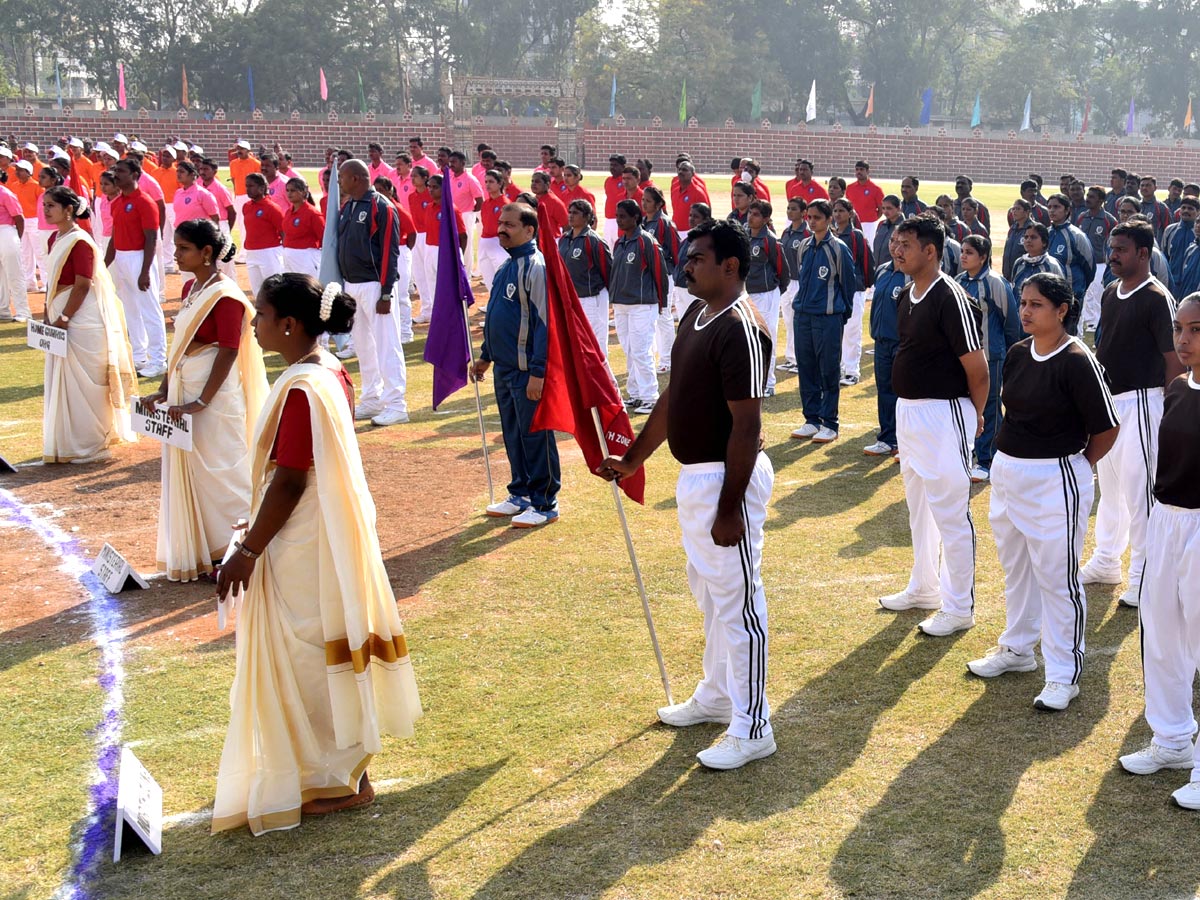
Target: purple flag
{"points": [[1129, 119], [448, 345]]}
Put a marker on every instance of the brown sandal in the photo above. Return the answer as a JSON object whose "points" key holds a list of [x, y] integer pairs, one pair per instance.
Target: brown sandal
{"points": [[325, 805]]}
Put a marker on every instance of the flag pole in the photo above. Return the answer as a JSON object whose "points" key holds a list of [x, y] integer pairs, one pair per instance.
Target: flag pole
{"points": [[487, 464], [637, 572]]}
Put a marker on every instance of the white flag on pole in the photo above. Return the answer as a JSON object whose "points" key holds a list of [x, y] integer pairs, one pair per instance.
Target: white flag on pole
{"points": [[810, 111], [1026, 125]]}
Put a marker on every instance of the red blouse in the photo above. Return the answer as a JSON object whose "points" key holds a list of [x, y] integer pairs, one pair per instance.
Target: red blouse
{"points": [[293, 440], [223, 326], [81, 261]]}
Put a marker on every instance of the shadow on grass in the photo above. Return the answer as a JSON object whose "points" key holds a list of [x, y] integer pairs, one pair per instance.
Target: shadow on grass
{"points": [[662, 812], [937, 830]]}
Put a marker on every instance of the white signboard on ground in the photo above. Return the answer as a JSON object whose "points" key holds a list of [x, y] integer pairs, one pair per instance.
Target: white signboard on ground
{"points": [[139, 807], [154, 422], [114, 571]]}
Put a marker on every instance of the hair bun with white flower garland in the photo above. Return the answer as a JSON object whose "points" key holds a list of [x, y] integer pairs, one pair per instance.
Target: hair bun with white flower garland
{"points": [[81, 206], [327, 297]]}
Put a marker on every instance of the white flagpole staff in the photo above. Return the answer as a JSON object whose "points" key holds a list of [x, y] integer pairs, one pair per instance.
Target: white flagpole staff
{"points": [[637, 572], [475, 377]]}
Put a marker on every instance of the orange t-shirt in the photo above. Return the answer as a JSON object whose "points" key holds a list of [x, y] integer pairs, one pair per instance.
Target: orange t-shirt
{"points": [[239, 169], [28, 193]]}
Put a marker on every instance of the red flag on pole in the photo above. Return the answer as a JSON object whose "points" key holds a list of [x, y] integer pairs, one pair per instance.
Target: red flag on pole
{"points": [[577, 378], [1087, 112]]}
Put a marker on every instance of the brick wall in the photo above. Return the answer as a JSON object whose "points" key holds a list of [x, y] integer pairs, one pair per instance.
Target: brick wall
{"points": [[991, 157]]}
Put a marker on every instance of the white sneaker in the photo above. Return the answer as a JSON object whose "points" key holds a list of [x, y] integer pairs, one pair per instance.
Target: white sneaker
{"points": [[1156, 757], [1094, 572], [786, 366], [363, 411], [733, 753], [153, 371], [879, 448], [532, 518], [904, 600], [942, 623], [1131, 597], [1188, 796], [848, 380], [999, 660], [979, 475], [395, 417], [692, 712], [348, 353], [663, 370], [509, 507], [644, 408], [1056, 696], [805, 431], [824, 435]]}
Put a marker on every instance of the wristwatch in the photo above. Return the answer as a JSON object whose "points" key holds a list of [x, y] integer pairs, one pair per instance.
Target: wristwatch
{"points": [[65, 317]]}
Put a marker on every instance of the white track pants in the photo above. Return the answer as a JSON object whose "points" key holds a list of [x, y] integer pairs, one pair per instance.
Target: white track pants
{"points": [[1170, 616], [610, 232], [424, 286], [29, 258], [143, 311], [935, 456], [471, 221], [166, 242], [789, 322], [596, 310], [239, 204], [767, 305], [727, 585], [261, 265], [1091, 299], [635, 333], [852, 337], [1039, 515], [304, 261], [491, 257], [1126, 476], [401, 299], [664, 335], [380, 354], [12, 274]]}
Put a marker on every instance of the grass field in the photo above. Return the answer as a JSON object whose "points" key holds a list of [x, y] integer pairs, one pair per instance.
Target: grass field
{"points": [[538, 770]]}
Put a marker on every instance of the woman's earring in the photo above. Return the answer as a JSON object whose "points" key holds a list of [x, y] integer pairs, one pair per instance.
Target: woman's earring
{"points": [[287, 332]]}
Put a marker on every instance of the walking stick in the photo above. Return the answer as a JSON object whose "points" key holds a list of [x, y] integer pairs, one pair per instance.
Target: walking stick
{"points": [[487, 465], [637, 572]]}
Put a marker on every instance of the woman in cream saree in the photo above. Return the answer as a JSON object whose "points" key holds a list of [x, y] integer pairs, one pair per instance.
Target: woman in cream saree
{"points": [[214, 373], [87, 392], [322, 664]]}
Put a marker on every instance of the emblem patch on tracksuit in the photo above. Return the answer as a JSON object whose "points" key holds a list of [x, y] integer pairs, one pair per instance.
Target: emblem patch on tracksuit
{"points": [[362, 217], [509, 290], [576, 253], [629, 257], [823, 272], [756, 250]]}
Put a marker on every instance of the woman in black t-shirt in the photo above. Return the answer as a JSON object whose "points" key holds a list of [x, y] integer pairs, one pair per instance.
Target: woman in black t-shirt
{"points": [[1170, 608], [1059, 421]]}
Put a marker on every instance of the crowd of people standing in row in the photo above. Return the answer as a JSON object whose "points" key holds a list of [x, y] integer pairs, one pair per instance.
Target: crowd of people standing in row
{"points": [[972, 384]]}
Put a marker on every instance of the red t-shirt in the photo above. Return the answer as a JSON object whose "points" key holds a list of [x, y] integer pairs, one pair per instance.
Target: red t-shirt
{"points": [[614, 192], [557, 211], [867, 200], [303, 228], [512, 191], [293, 440], [810, 191], [418, 206], [262, 221], [325, 205], [682, 199], [407, 225], [433, 223], [81, 261], [489, 215], [579, 192], [133, 215]]}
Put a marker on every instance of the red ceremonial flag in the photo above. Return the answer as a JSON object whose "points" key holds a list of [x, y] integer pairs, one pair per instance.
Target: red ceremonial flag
{"points": [[324, 86], [577, 378], [1087, 112], [75, 183]]}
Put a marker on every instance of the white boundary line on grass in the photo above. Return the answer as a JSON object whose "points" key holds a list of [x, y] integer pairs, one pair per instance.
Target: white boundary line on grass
{"points": [[95, 828]]}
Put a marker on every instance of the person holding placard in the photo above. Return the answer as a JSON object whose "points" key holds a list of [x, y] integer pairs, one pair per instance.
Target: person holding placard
{"points": [[214, 374], [87, 391], [323, 669]]}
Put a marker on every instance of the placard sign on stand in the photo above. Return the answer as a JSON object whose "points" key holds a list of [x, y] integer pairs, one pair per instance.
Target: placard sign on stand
{"points": [[139, 808], [7, 468], [115, 573], [154, 422], [46, 338]]}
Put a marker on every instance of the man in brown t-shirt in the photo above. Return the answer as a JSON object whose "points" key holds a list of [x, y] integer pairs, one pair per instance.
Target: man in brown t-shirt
{"points": [[711, 417]]}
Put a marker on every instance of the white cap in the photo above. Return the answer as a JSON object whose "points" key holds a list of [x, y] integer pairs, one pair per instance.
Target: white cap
{"points": [[59, 153], [4, 151], [138, 147], [29, 145], [120, 138], [197, 149], [181, 146], [26, 165], [169, 150], [245, 145], [75, 142], [102, 147]]}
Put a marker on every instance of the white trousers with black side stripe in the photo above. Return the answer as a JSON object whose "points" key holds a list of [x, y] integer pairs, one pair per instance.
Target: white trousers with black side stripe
{"points": [[1170, 614], [1126, 475], [727, 584], [935, 454], [1039, 514]]}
